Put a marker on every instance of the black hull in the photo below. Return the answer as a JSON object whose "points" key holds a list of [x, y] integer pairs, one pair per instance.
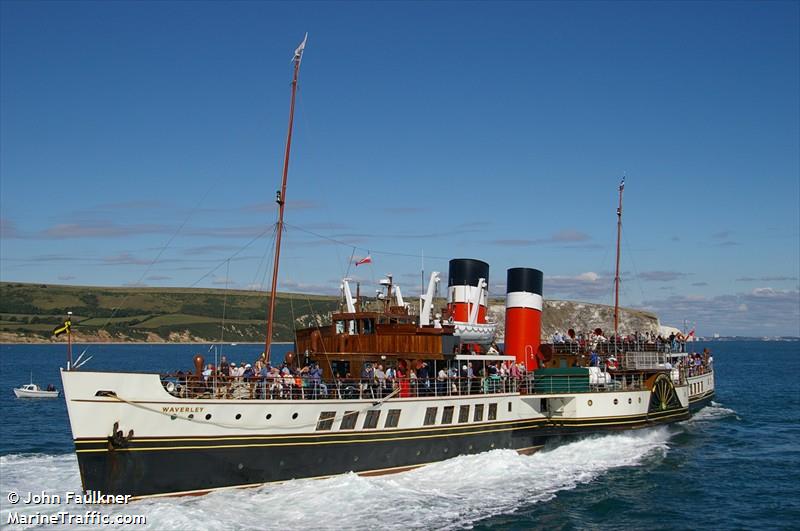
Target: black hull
{"points": [[699, 403], [174, 466]]}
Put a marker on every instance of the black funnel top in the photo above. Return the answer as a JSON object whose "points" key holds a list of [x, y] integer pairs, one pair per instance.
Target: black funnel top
{"points": [[467, 272], [524, 279]]}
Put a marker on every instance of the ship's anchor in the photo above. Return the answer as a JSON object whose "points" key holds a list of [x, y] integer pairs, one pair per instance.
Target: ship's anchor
{"points": [[117, 439]]}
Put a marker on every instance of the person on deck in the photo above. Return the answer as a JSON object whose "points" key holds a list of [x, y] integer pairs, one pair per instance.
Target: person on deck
{"points": [[315, 374], [380, 380], [402, 381], [224, 367]]}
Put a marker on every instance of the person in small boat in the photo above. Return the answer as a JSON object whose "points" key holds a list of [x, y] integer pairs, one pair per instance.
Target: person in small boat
{"points": [[51, 387]]}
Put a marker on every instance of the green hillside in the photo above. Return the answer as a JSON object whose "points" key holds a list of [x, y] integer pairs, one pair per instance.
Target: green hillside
{"points": [[29, 312]]}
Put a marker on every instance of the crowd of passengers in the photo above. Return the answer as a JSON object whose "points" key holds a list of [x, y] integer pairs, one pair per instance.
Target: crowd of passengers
{"points": [[595, 340], [402, 379], [697, 363]]}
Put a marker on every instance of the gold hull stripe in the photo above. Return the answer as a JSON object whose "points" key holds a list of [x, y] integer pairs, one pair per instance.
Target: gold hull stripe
{"points": [[375, 439], [344, 433]]}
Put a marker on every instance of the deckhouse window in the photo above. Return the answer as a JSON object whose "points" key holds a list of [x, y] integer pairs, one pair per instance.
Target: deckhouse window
{"points": [[349, 420], [447, 414], [463, 414], [392, 418], [325, 421], [430, 416], [492, 412], [371, 420], [478, 417]]}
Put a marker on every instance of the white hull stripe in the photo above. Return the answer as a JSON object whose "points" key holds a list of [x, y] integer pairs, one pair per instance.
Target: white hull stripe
{"points": [[524, 299]]}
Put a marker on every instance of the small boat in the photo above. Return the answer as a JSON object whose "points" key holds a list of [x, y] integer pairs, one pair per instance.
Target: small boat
{"points": [[32, 390]]}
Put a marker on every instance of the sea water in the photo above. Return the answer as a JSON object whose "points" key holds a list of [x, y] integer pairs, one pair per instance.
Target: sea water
{"points": [[735, 464]]}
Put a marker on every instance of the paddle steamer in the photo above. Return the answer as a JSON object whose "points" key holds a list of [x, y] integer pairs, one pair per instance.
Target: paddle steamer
{"points": [[450, 393]]}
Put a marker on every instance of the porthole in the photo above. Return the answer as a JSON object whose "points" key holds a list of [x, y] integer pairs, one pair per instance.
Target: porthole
{"points": [[355, 459], [173, 417], [208, 416], [238, 416], [241, 466], [445, 450], [630, 401], [616, 401], [281, 463], [470, 447], [191, 416], [269, 416], [419, 452], [640, 399], [590, 402], [491, 445], [294, 416]]}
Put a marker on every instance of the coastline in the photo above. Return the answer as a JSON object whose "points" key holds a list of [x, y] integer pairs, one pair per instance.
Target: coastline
{"points": [[34, 341]]}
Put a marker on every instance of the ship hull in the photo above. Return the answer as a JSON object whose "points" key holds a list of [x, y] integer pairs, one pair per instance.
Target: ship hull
{"points": [[143, 442]]}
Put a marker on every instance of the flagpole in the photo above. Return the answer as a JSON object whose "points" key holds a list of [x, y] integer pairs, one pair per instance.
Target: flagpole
{"points": [[69, 341], [616, 275], [281, 200]]}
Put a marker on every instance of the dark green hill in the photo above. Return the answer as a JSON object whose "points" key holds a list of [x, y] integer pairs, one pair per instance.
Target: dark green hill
{"points": [[29, 312]]}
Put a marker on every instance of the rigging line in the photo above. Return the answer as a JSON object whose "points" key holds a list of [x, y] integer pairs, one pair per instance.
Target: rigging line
{"points": [[263, 262], [160, 252], [633, 262], [231, 257], [224, 304], [350, 262], [369, 250], [314, 316]]}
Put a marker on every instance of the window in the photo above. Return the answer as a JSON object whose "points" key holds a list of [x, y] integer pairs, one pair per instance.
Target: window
{"points": [[349, 420], [478, 416], [447, 414], [509, 407], [492, 412], [463, 414], [340, 368], [430, 416], [392, 418], [371, 421], [325, 421]]}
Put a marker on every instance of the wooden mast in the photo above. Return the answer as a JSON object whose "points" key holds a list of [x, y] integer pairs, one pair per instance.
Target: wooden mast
{"points": [[616, 276], [281, 200]]}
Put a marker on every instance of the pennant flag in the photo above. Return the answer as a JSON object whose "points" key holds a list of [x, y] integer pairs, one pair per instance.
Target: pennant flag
{"points": [[298, 53], [366, 260], [63, 329], [690, 334], [622, 184]]}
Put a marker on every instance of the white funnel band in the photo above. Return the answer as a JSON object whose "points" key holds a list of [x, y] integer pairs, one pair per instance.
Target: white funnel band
{"points": [[524, 299]]}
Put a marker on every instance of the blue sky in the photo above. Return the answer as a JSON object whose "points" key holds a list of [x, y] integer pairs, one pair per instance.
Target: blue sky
{"points": [[141, 143]]}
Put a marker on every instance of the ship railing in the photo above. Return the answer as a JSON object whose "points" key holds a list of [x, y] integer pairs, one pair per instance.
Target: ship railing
{"points": [[638, 360], [293, 388], [616, 347], [571, 383]]}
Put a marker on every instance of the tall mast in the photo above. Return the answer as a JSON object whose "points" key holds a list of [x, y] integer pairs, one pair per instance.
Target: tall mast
{"points": [[281, 200], [616, 275]]}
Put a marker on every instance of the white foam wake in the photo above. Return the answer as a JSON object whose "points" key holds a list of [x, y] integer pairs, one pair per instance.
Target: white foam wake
{"points": [[446, 495], [713, 411]]}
